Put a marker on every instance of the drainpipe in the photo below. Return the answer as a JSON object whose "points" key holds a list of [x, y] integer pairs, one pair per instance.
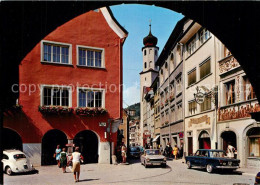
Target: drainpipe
{"points": [[216, 95]]}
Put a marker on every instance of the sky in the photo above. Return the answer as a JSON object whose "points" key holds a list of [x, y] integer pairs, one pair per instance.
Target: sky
{"points": [[135, 19]]}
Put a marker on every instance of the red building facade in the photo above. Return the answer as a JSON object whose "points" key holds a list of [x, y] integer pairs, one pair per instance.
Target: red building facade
{"points": [[69, 85]]}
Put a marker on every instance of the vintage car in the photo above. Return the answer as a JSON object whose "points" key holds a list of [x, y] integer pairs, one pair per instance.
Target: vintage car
{"points": [[212, 159], [15, 161], [134, 152], [152, 157]]}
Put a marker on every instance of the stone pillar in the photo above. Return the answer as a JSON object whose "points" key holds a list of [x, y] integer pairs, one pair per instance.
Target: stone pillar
{"points": [[104, 153], [70, 146], [34, 152]]}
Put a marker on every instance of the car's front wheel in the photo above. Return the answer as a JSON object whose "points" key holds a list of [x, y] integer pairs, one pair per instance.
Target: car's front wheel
{"points": [[209, 168], [188, 164], [8, 170]]}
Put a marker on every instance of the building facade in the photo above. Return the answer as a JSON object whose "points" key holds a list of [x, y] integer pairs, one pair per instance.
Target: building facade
{"points": [[237, 101], [67, 98]]}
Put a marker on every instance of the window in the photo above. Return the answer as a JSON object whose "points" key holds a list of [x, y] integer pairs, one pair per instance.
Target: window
{"points": [[254, 142], [192, 107], [178, 85], [230, 92], [166, 65], [5, 157], [206, 105], [90, 98], [145, 65], [54, 52], [192, 77], [156, 52], [204, 69], [204, 35], [248, 90], [144, 52], [150, 64], [173, 108], [191, 47], [90, 57], [55, 96]]}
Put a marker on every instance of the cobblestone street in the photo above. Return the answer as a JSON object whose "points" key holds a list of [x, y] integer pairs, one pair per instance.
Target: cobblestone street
{"points": [[175, 173]]}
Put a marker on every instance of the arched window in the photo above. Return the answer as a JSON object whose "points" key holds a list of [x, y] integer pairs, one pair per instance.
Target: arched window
{"points": [[145, 65], [144, 52], [166, 65]]}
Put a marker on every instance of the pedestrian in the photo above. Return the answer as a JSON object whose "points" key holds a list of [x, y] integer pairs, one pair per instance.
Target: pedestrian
{"points": [[57, 155], [169, 150], [123, 152], [175, 152], [63, 160], [230, 150], [76, 158]]}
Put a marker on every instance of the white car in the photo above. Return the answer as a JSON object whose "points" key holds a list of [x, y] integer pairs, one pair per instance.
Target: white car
{"points": [[15, 161], [152, 157]]}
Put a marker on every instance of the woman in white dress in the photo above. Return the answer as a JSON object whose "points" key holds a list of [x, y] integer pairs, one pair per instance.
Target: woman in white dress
{"points": [[76, 158]]}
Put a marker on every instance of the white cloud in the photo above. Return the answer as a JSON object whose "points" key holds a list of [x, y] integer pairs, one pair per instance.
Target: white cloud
{"points": [[131, 95]]}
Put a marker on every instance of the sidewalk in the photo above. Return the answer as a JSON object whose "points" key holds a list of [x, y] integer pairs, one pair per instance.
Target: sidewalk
{"points": [[249, 171]]}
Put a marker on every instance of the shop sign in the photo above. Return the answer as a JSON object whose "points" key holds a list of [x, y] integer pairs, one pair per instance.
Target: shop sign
{"points": [[202, 119]]}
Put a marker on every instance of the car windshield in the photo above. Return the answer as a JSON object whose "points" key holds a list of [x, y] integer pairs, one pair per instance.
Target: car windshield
{"points": [[19, 156], [134, 149], [152, 152], [217, 154]]}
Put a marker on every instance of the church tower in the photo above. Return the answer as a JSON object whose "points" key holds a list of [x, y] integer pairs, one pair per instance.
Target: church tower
{"points": [[147, 76]]}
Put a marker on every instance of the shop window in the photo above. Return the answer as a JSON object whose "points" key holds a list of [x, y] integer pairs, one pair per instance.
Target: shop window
{"points": [[204, 69], [206, 105], [90, 57], [192, 77], [254, 142], [230, 92], [192, 107], [248, 89]]}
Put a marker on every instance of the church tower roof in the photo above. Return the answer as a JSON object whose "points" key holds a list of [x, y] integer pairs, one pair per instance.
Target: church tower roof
{"points": [[150, 40]]}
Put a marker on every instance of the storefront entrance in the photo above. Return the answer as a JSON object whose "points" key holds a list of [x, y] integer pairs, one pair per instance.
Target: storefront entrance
{"points": [[49, 144], [204, 140], [88, 144], [228, 137], [12, 139]]}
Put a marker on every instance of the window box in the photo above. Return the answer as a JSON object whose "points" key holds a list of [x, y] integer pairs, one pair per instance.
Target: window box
{"points": [[90, 112], [55, 110], [172, 98]]}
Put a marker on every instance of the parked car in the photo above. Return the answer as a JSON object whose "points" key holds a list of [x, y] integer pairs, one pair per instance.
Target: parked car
{"points": [[152, 157], [212, 159], [141, 149], [134, 152], [15, 161]]}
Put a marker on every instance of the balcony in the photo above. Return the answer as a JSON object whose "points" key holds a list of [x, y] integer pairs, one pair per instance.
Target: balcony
{"points": [[238, 110]]}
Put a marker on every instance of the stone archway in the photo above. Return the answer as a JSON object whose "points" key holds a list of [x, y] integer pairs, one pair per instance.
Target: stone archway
{"points": [[204, 140], [88, 142], [228, 137], [12, 140], [50, 141]]}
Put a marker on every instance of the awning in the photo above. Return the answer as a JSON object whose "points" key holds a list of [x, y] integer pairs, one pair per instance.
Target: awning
{"points": [[156, 138]]}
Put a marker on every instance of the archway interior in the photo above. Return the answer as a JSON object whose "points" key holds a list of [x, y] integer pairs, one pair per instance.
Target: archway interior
{"points": [[87, 141], [49, 144], [12, 140], [204, 140], [228, 137]]}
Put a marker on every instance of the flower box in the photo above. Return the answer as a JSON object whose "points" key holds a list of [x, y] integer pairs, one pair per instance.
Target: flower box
{"points": [[91, 112], [55, 110]]}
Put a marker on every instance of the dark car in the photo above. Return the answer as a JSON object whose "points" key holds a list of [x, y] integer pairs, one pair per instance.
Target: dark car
{"points": [[134, 152], [212, 159]]}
